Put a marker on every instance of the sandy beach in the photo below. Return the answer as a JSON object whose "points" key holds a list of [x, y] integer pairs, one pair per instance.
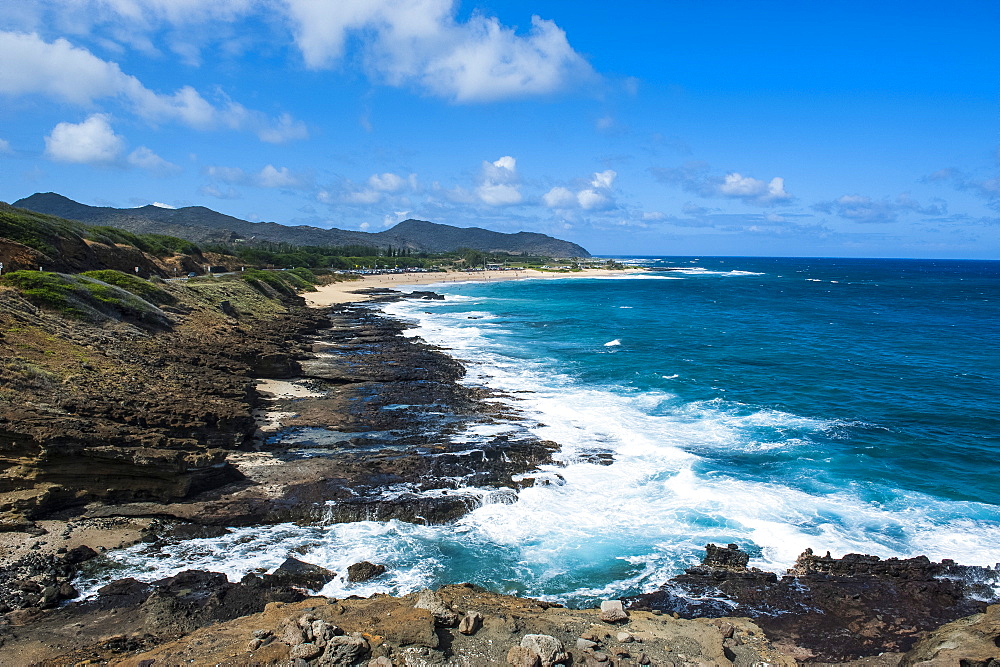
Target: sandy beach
{"points": [[346, 291]]}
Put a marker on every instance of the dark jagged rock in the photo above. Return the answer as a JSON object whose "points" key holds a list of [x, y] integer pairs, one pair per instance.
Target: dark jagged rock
{"points": [[41, 580], [730, 558], [364, 571], [377, 442], [427, 296], [297, 574], [829, 609]]}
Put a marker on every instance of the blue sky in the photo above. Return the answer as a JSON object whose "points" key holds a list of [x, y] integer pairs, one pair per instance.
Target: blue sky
{"points": [[696, 128]]}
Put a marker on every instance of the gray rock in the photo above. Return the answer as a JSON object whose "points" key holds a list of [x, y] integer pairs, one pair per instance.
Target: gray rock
{"points": [[520, 656], [550, 650], [344, 650], [470, 623], [323, 631], [624, 637], [584, 644], [430, 601], [613, 612], [291, 634], [306, 651], [380, 661]]}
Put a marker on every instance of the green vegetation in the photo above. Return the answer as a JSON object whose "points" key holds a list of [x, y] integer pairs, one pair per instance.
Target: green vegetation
{"points": [[48, 290], [343, 258], [281, 282], [83, 297], [286, 255], [36, 230], [43, 233], [134, 284], [155, 244]]}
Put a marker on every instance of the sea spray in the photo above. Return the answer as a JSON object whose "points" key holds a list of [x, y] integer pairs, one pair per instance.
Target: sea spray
{"points": [[751, 405]]}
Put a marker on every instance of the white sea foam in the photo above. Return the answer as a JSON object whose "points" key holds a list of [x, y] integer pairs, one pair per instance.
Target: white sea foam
{"points": [[637, 276], [613, 343], [586, 530], [701, 271]]}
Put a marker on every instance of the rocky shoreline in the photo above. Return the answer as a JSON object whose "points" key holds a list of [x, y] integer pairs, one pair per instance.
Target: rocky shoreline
{"points": [[251, 409]]}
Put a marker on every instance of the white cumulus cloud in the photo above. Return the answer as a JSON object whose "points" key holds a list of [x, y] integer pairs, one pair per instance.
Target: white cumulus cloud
{"points": [[66, 72], [697, 177], [273, 177], [387, 182], [92, 141], [596, 196], [591, 200], [559, 197], [752, 190], [144, 158], [420, 42], [499, 184], [604, 179]]}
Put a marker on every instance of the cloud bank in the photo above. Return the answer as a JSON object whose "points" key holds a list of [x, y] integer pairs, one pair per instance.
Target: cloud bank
{"points": [[72, 74], [416, 43]]}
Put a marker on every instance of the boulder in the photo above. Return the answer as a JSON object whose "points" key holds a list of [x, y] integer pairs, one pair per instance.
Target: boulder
{"points": [[520, 656], [443, 616], [305, 651], [731, 557], [345, 650], [549, 650], [613, 612], [364, 571], [294, 572], [470, 623]]}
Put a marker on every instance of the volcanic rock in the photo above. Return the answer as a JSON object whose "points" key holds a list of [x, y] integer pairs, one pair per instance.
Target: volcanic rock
{"points": [[295, 573], [829, 609], [364, 571]]}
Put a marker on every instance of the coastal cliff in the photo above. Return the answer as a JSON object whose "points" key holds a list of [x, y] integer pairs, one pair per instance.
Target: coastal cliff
{"points": [[231, 413]]}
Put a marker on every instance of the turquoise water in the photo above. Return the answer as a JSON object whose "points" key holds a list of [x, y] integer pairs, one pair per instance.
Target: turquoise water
{"points": [[842, 405]]}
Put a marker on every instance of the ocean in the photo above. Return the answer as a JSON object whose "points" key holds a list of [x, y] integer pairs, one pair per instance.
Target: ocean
{"points": [[849, 405]]}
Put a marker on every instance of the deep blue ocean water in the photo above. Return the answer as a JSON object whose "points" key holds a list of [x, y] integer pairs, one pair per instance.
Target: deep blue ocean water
{"points": [[849, 405]]}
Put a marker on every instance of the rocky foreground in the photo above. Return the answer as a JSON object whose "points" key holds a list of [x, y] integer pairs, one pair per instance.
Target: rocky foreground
{"points": [[246, 409]]}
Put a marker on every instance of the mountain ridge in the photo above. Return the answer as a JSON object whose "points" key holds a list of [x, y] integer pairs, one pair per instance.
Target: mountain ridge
{"points": [[202, 224]]}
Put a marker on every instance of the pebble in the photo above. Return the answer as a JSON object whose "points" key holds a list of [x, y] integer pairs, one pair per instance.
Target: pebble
{"points": [[624, 637]]}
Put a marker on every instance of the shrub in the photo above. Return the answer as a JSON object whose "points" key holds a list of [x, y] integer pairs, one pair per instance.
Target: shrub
{"points": [[133, 284], [42, 288], [84, 297]]}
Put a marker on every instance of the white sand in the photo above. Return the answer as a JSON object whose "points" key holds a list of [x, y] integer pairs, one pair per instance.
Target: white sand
{"points": [[327, 295], [285, 389]]}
